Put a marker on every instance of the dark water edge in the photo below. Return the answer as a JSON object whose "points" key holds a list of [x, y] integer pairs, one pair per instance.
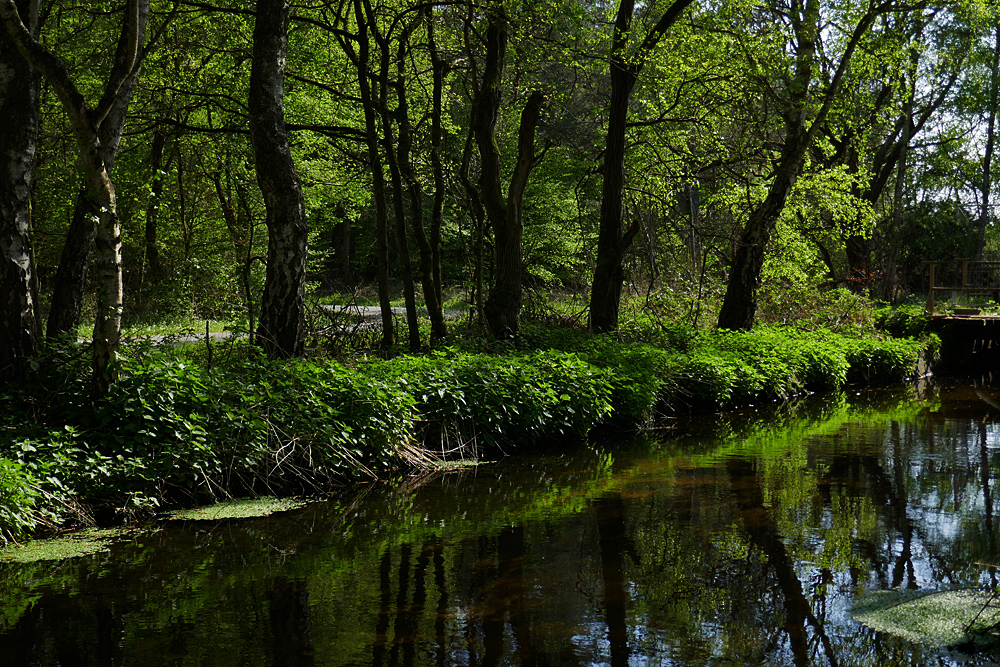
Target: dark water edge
{"points": [[736, 539]]}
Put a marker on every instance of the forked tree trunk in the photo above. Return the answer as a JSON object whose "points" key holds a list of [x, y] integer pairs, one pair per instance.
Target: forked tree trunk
{"points": [[69, 286], [503, 305], [485, 110], [739, 307], [19, 109], [359, 50], [282, 316], [392, 158]]}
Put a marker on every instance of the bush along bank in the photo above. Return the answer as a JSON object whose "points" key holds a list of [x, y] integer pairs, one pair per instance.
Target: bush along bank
{"points": [[173, 432]]}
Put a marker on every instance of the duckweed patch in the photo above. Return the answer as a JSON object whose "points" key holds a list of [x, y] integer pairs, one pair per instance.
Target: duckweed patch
{"points": [[83, 543], [238, 509], [939, 620]]}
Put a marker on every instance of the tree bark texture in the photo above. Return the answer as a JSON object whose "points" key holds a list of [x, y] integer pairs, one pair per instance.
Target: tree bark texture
{"points": [[280, 328], [613, 241], [19, 109]]}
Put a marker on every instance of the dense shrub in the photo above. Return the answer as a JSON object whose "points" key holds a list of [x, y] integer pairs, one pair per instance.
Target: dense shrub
{"points": [[641, 376], [170, 430], [731, 368], [497, 401], [904, 321], [882, 361], [18, 501]]}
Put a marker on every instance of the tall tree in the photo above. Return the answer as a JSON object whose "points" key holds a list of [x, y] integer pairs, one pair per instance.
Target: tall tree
{"points": [[987, 180], [483, 122], [613, 240], [503, 303], [357, 46], [432, 265], [280, 329], [19, 107], [804, 110], [86, 122]]}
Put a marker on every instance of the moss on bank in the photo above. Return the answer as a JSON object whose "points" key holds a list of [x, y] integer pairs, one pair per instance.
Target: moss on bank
{"points": [[177, 432]]}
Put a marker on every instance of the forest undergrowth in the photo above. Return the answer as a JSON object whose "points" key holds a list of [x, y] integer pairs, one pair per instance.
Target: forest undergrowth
{"points": [[189, 424]]}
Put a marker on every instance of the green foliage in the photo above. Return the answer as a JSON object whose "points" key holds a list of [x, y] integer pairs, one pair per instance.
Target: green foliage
{"points": [[177, 429], [806, 307], [495, 401], [882, 361], [18, 498], [730, 368], [903, 321], [641, 377]]}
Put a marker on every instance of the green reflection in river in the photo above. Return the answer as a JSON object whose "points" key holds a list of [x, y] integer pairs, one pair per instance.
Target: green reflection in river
{"points": [[728, 540]]}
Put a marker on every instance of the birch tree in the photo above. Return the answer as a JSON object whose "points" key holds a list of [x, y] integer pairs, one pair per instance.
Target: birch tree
{"points": [[86, 121]]}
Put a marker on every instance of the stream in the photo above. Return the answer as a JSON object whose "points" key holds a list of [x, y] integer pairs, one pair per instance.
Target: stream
{"points": [[737, 539]]}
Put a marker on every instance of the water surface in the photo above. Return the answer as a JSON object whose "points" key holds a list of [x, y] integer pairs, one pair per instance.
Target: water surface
{"points": [[727, 540]]}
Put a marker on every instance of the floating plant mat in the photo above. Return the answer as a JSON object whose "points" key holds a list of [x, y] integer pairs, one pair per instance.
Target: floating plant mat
{"points": [[939, 619], [83, 543], [238, 509]]}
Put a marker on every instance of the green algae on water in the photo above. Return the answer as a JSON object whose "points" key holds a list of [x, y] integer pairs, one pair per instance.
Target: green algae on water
{"points": [[74, 545], [939, 620], [238, 509]]}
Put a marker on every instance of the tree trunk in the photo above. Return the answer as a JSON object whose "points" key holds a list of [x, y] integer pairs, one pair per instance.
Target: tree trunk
{"points": [[362, 59], [152, 251], [485, 110], [280, 329], [739, 307], [478, 214], [392, 158], [432, 298], [19, 107], [612, 241], [438, 69], [889, 267], [503, 305]]}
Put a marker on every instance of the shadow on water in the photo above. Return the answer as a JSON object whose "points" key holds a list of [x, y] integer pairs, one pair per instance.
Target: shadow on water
{"points": [[740, 539]]}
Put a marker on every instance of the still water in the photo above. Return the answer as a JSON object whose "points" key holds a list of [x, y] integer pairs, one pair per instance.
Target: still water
{"points": [[728, 540]]}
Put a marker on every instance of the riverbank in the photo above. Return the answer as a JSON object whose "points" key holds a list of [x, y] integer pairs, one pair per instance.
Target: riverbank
{"points": [[189, 425]]}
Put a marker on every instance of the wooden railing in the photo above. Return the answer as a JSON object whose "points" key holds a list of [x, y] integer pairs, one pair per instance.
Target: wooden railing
{"points": [[975, 277]]}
